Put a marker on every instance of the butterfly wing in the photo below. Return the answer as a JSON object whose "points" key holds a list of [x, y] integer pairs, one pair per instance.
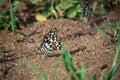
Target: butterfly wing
{"points": [[51, 42]]}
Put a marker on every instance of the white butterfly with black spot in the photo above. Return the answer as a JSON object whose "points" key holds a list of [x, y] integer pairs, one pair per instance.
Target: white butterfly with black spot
{"points": [[51, 42]]}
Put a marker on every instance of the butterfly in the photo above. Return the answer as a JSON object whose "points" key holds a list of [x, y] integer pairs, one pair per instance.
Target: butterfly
{"points": [[51, 42], [86, 10]]}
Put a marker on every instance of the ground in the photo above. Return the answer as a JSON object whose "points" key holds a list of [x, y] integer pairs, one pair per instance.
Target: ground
{"points": [[81, 39]]}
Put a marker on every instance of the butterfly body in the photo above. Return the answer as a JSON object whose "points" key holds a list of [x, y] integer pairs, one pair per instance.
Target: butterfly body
{"points": [[51, 42]]}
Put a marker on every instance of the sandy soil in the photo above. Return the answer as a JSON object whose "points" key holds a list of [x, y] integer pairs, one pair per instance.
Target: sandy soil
{"points": [[82, 40]]}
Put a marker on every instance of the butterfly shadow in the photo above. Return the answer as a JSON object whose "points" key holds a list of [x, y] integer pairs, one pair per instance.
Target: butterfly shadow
{"points": [[71, 52]]}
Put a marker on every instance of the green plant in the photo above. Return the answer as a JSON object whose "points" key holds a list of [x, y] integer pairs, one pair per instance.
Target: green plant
{"points": [[12, 16], [43, 76], [100, 6], [68, 8], [113, 72], [71, 69], [72, 8], [115, 65], [5, 21], [105, 37], [115, 29], [49, 9], [101, 9]]}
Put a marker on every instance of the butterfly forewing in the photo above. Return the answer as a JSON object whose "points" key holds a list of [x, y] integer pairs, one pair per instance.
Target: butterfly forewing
{"points": [[51, 42]]}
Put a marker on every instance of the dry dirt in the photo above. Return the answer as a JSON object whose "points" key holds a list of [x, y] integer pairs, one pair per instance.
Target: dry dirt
{"points": [[82, 40]]}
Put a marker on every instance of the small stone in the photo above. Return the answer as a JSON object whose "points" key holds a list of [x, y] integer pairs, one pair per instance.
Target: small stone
{"points": [[104, 66]]}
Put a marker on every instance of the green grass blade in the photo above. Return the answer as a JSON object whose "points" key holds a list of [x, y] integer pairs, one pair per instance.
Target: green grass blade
{"points": [[116, 56], [113, 72], [65, 60], [54, 72], [118, 29], [81, 72], [119, 38], [105, 37], [108, 26], [94, 6], [72, 76], [12, 16], [43, 76], [68, 61], [101, 78], [90, 77]]}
